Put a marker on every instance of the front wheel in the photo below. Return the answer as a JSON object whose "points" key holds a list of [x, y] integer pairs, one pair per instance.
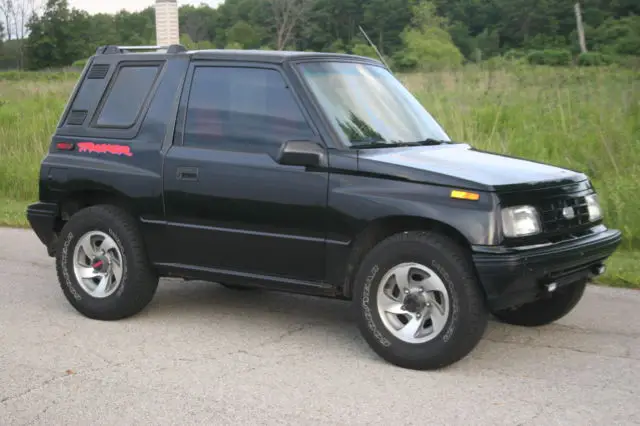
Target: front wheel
{"points": [[418, 302], [544, 311]]}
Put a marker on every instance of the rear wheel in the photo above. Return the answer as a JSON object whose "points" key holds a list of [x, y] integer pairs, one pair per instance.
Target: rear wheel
{"points": [[544, 311], [419, 305], [102, 265]]}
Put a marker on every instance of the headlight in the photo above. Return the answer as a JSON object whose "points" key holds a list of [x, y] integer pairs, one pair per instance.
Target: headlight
{"points": [[593, 205], [520, 221]]}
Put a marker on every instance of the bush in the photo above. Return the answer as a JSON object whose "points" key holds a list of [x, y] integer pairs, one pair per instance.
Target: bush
{"points": [[405, 61], [81, 63], [592, 59], [429, 49], [550, 57], [362, 49]]}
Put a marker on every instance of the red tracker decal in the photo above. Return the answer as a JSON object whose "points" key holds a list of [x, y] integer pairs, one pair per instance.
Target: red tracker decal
{"points": [[106, 148]]}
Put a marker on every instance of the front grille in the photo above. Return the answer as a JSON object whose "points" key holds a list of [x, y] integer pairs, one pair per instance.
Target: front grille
{"points": [[564, 214], [551, 203]]}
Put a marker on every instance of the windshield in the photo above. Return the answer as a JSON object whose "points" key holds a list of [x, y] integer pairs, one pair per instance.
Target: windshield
{"points": [[367, 104]]}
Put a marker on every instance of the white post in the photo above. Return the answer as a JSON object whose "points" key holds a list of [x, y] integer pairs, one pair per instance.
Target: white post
{"points": [[167, 25], [583, 44]]}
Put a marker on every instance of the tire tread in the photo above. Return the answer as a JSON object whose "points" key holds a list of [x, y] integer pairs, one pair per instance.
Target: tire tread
{"points": [[141, 283], [475, 315]]}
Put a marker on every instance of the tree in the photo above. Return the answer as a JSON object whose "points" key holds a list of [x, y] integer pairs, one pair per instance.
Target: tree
{"points": [[385, 33], [57, 38], [197, 22], [287, 15], [427, 44], [436, 32], [243, 34], [16, 14], [7, 11]]}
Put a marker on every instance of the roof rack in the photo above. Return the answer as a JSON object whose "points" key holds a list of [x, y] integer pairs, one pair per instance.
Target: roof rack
{"points": [[111, 49]]}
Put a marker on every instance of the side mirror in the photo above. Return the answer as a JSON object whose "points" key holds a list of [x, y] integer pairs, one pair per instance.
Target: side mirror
{"points": [[301, 153]]}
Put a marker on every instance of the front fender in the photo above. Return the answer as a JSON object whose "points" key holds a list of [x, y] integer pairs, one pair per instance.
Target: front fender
{"points": [[357, 201]]}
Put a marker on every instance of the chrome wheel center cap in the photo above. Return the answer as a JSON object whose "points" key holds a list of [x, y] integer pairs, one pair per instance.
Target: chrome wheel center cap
{"points": [[414, 303]]}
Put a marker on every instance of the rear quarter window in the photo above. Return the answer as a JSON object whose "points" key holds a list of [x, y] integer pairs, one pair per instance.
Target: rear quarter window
{"points": [[125, 98]]}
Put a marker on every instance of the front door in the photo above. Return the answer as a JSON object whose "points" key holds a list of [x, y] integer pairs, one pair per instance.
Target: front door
{"points": [[230, 207]]}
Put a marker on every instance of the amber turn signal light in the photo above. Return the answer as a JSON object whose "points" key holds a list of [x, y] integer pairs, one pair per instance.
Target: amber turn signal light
{"points": [[464, 195]]}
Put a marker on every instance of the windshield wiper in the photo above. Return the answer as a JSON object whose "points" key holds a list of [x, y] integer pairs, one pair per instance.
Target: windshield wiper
{"points": [[383, 144], [431, 141], [380, 143]]}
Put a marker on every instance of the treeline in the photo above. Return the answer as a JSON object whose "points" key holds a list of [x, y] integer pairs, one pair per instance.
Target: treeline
{"points": [[410, 33]]}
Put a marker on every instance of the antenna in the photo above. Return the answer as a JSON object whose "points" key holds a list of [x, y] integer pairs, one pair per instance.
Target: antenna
{"points": [[374, 47]]}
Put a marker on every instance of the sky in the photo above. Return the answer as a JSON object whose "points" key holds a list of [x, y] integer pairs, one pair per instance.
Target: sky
{"points": [[113, 6]]}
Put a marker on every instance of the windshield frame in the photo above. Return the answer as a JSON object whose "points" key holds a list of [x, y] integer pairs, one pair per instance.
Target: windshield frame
{"points": [[337, 135]]}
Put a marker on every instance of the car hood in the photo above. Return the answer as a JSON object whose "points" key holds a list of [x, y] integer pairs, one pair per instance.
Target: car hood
{"points": [[463, 166]]}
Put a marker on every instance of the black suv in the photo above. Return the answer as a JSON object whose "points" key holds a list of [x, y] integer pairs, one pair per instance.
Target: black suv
{"points": [[311, 173]]}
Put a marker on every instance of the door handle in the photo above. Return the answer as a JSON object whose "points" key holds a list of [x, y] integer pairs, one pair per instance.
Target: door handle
{"points": [[187, 173]]}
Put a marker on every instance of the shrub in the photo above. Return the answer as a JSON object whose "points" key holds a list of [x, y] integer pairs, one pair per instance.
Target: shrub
{"points": [[362, 49], [591, 59], [79, 63], [551, 57]]}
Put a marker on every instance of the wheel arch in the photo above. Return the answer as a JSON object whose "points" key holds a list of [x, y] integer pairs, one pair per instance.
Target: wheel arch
{"points": [[77, 200], [383, 227]]}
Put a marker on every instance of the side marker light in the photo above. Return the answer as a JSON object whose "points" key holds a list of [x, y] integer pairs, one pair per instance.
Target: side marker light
{"points": [[464, 195]]}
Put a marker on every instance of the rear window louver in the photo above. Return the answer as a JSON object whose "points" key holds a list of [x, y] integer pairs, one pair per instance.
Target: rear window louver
{"points": [[98, 72], [76, 117]]}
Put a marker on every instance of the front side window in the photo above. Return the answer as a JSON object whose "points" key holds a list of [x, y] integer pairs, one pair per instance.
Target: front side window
{"points": [[233, 106], [367, 104]]}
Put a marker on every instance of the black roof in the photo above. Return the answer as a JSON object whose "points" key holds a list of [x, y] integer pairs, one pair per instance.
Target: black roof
{"points": [[278, 56], [270, 56]]}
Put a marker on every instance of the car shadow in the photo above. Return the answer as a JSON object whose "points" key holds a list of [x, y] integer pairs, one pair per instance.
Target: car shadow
{"points": [[259, 311]]}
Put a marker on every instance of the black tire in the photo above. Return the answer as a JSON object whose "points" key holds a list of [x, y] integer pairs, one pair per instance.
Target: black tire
{"points": [[468, 315], [544, 311], [139, 282]]}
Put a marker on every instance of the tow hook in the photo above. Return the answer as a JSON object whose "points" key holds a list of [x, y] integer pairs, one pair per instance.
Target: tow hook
{"points": [[598, 270]]}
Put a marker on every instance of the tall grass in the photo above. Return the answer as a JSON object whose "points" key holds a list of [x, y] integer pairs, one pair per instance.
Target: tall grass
{"points": [[29, 111], [586, 119]]}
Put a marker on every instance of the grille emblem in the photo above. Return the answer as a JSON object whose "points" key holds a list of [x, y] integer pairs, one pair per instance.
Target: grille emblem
{"points": [[568, 213]]}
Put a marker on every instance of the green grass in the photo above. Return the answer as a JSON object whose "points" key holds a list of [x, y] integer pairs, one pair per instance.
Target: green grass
{"points": [[12, 213], [585, 119], [623, 270]]}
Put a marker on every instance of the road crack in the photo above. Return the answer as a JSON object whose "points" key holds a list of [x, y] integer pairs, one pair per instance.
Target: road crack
{"points": [[35, 388]]}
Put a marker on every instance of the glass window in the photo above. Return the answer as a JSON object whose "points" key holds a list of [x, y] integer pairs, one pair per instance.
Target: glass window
{"points": [[250, 106], [368, 104], [128, 93]]}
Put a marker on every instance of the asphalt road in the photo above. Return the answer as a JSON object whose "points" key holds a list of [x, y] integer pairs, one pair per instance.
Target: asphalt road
{"points": [[203, 354]]}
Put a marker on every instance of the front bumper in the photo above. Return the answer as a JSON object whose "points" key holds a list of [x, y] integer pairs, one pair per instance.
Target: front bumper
{"points": [[513, 276], [43, 218]]}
